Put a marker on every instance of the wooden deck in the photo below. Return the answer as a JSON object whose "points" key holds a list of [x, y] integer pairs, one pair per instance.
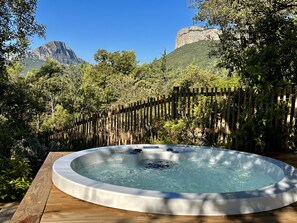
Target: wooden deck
{"points": [[45, 203]]}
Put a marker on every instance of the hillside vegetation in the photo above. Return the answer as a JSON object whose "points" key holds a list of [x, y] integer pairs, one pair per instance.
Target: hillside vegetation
{"points": [[30, 63], [194, 53]]}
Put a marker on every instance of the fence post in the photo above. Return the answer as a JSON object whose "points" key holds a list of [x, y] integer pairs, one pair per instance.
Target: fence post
{"points": [[94, 129], [175, 99]]}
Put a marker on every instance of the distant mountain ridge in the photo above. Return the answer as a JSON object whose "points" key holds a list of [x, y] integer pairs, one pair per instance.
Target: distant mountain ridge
{"points": [[55, 50]]}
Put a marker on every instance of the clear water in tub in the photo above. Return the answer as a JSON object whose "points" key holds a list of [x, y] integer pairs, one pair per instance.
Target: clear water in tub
{"points": [[182, 176]]}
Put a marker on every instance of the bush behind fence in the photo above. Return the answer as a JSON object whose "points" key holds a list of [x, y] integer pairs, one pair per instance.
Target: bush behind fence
{"points": [[243, 119]]}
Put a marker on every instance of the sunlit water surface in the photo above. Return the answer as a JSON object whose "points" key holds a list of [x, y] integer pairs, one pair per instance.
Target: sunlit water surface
{"points": [[188, 176]]}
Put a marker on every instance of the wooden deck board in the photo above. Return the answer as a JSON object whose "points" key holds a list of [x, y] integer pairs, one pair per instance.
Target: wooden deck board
{"points": [[52, 205], [33, 204]]}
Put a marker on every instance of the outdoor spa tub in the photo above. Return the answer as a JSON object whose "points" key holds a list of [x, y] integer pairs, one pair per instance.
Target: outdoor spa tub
{"points": [[177, 179]]}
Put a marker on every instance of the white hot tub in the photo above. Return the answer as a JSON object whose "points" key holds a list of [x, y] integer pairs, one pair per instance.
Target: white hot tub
{"points": [[177, 179]]}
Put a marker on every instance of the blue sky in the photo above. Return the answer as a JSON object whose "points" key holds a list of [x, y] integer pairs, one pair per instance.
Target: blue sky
{"points": [[147, 26]]}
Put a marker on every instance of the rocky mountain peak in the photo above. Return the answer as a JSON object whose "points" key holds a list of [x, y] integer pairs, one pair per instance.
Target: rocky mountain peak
{"points": [[194, 34], [56, 50]]}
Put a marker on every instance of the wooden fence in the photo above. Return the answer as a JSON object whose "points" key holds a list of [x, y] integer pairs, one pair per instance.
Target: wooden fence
{"points": [[221, 115]]}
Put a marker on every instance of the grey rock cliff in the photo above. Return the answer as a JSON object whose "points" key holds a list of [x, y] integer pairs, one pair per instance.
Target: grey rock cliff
{"points": [[194, 34], [56, 50]]}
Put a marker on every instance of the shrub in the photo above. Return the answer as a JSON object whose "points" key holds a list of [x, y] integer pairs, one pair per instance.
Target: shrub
{"points": [[14, 177], [265, 130], [187, 130]]}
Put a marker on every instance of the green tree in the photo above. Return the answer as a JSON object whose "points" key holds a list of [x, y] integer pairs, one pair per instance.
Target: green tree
{"points": [[57, 89], [17, 104], [258, 39], [164, 62], [47, 84], [71, 95], [17, 25], [18, 107], [58, 120], [17, 22], [193, 76], [94, 82], [123, 62], [103, 83]]}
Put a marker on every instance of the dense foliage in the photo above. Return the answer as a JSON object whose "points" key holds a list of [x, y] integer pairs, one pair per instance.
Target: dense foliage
{"points": [[244, 119], [15, 178], [17, 22], [258, 39], [17, 105], [63, 93]]}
